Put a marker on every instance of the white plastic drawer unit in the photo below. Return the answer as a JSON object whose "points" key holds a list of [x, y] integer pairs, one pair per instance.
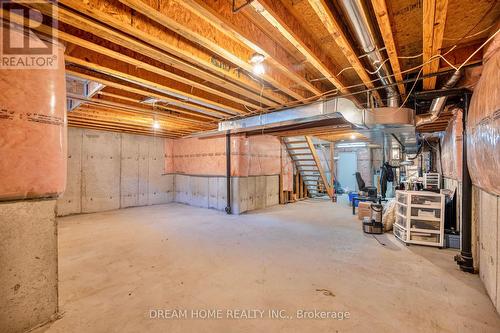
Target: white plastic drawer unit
{"points": [[420, 217], [401, 220], [419, 200], [427, 213], [401, 209]]}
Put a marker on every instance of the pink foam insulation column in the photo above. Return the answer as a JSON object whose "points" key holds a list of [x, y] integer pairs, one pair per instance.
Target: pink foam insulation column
{"points": [[483, 123], [32, 129]]}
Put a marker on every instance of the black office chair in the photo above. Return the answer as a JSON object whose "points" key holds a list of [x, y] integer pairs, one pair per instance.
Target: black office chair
{"points": [[372, 191]]}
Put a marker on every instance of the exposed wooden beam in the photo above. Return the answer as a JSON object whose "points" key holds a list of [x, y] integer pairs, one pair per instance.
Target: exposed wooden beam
{"points": [[77, 124], [136, 102], [434, 20], [132, 75], [137, 91], [142, 111], [78, 41], [173, 15], [124, 20], [333, 26], [384, 23], [244, 29], [287, 25], [144, 120], [164, 73], [88, 25]]}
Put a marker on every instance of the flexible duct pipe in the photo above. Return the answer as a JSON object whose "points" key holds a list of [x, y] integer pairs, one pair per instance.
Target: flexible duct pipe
{"points": [[360, 24], [32, 120], [438, 104]]}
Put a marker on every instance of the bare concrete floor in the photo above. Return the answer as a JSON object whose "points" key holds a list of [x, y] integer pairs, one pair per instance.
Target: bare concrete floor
{"points": [[117, 266]]}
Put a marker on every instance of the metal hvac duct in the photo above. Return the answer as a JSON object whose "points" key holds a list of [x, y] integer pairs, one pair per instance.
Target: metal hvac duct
{"points": [[362, 27], [438, 104]]}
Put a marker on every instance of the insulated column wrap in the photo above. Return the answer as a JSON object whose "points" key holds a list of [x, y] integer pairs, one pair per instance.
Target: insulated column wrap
{"points": [[483, 123], [32, 128]]}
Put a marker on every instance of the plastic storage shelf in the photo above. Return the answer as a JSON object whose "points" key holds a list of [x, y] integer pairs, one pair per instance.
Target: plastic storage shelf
{"points": [[420, 218]]}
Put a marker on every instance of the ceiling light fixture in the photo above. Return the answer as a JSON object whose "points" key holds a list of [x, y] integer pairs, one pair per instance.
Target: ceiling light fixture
{"points": [[156, 124], [257, 58], [259, 69]]}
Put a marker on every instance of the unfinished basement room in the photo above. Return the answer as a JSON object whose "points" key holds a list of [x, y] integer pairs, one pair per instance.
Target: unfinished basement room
{"points": [[223, 166]]}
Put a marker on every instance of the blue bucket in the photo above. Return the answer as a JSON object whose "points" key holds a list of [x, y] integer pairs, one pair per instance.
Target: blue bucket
{"points": [[351, 196]]}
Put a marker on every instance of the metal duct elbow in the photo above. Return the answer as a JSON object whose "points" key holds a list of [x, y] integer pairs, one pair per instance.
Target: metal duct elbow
{"points": [[438, 104], [362, 27]]}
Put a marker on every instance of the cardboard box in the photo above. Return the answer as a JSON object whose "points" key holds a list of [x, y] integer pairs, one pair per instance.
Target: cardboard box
{"points": [[364, 209]]}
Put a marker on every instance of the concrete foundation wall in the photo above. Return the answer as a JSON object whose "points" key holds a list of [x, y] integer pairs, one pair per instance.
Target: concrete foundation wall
{"points": [[487, 216], [109, 171], [112, 170], [28, 264], [485, 236], [247, 193]]}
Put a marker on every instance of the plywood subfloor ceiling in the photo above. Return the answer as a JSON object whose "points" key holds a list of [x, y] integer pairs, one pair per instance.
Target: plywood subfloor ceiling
{"points": [[182, 66]]}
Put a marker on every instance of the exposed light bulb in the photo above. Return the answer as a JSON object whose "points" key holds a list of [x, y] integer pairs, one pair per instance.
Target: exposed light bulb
{"points": [[259, 69], [256, 58], [156, 124]]}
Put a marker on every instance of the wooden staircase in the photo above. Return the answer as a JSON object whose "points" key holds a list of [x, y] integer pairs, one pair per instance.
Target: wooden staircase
{"points": [[307, 162]]}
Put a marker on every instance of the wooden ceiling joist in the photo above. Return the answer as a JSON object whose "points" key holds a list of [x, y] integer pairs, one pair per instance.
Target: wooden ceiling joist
{"points": [[82, 121], [333, 26], [78, 41], [159, 71], [121, 18], [90, 26], [176, 17], [243, 29], [278, 16], [113, 116], [77, 124], [131, 76], [142, 92], [434, 20], [141, 112], [384, 23], [136, 102]]}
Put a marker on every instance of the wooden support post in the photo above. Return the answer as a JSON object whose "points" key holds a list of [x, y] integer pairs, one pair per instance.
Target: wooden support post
{"points": [[296, 186], [301, 187], [332, 165], [281, 194]]}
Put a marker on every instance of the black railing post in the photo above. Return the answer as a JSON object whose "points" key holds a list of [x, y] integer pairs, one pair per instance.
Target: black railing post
{"points": [[464, 259], [228, 172]]}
